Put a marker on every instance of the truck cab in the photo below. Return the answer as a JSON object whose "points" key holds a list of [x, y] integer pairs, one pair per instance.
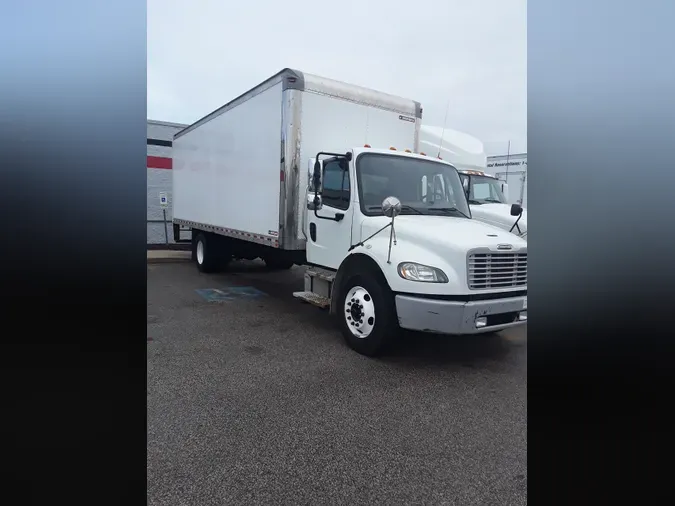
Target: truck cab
{"points": [[488, 200], [391, 243]]}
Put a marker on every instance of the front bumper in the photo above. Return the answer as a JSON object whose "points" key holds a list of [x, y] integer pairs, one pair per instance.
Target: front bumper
{"points": [[450, 317]]}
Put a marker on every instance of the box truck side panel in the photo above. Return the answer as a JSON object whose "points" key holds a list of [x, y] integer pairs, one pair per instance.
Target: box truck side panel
{"points": [[227, 169], [334, 124]]}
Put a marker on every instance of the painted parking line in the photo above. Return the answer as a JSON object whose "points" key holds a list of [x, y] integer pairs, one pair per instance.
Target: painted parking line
{"points": [[230, 293]]}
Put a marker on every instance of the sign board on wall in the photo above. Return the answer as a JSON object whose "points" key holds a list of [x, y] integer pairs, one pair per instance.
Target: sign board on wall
{"points": [[498, 163], [163, 200], [512, 169]]}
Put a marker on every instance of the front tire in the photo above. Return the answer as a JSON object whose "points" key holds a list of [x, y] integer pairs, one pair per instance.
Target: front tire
{"points": [[367, 315]]}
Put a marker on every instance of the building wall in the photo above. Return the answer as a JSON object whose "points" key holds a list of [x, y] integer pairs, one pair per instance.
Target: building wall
{"points": [[516, 161], [159, 164]]}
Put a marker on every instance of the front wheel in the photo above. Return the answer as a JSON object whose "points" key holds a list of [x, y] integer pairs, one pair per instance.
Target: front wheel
{"points": [[367, 315]]}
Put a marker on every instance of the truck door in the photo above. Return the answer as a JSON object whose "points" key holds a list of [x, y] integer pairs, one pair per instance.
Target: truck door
{"points": [[517, 181], [329, 234]]}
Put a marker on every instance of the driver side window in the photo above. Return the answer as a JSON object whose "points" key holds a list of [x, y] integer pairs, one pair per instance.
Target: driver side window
{"points": [[336, 184]]}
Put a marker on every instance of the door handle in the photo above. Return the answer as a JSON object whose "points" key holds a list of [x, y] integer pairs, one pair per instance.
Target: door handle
{"points": [[335, 217]]}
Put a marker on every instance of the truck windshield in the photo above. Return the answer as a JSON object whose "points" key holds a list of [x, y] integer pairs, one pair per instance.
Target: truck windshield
{"points": [[483, 190], [422, 186]]}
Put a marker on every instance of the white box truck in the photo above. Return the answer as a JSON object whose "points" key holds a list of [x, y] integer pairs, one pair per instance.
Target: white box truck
{"points": [[286, 173], [488, 195]]}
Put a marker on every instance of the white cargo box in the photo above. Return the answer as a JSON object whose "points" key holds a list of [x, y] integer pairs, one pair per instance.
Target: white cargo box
{"points": [[242, 170]]}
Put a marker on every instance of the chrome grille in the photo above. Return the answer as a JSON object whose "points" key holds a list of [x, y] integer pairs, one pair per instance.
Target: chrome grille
{"points": [[497, 270]]}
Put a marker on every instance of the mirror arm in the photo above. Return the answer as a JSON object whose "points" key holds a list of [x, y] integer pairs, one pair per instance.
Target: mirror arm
{"points": [[316, 211], [369, 237], [516, 224], [391, 207]]}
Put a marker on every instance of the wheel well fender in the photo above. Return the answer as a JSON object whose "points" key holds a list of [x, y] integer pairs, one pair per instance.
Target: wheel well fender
{"points": [[354, 263]]}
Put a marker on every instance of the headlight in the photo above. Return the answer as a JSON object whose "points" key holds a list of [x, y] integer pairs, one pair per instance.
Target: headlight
{"points": [[417, 272]]}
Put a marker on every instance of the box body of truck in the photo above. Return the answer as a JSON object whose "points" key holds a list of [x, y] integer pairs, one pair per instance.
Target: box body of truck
{"points": [[242, 170]]}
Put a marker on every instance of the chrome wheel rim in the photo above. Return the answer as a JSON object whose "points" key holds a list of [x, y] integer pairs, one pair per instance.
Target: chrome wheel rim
{"points": [[359, 312]]}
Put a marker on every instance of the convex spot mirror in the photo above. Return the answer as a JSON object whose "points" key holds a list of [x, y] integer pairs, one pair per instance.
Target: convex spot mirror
{"points": [[391, 207]]}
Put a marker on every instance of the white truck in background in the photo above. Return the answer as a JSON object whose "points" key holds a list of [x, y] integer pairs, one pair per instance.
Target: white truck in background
{"points": [[512, 169], [286, 173], [487, 194], [489, 203]]}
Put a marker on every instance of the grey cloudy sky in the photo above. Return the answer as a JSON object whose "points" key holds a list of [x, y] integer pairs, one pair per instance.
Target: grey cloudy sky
{"points": [[468, 54]]}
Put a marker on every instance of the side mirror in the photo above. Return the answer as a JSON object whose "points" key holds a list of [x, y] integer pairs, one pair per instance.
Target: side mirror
{"points": [[505, 191], [311, 175], [314, 203], [516, 210], [316, 178], [391, 207]]}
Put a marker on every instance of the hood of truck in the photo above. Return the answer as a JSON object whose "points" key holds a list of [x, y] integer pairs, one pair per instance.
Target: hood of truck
{"points": [[499, 215], [444, 232], [442, 242]]}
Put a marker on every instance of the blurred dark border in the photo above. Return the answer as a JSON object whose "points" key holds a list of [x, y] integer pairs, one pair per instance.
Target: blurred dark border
{"points": [[601, 123], [73, 266]]}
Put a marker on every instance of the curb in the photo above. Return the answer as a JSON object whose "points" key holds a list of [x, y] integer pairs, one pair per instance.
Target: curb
{"points": [[168, 259], [169, 247]]}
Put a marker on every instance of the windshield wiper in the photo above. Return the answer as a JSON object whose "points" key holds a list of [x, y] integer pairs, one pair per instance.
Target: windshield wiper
{"points": [[493, 200], [448, 210], [475, 202], [403, 207]]}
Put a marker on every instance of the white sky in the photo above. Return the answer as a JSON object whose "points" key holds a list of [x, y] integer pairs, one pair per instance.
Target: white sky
{"points": [[468, 54]]}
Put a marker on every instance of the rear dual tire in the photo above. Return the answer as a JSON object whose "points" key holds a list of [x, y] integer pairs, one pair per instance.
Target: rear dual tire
{"points": [[210, 253]]}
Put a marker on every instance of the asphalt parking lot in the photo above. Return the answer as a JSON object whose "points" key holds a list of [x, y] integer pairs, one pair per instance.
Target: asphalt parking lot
{"points": [[253, 398]]}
